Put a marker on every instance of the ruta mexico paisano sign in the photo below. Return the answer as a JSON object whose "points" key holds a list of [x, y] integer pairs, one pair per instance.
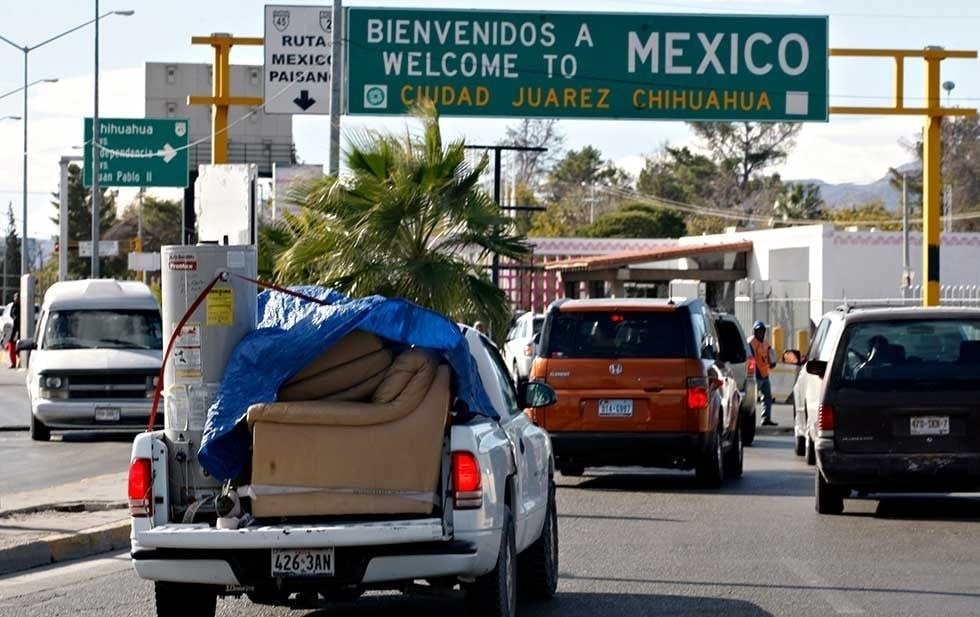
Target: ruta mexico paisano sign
{"points": [[588, 65]]}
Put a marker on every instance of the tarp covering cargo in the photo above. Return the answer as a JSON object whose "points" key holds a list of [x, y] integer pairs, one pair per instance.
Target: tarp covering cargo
{"points": [[292, 332]]}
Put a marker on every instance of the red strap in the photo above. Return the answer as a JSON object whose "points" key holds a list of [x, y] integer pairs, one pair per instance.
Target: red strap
{"points": [[183, 321], [170, 347]]}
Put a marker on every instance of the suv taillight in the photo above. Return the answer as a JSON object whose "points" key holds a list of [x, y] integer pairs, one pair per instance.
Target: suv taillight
{"points": [[697, 393], [467, 482], [825, 418], [750, 367], [140, 488]]}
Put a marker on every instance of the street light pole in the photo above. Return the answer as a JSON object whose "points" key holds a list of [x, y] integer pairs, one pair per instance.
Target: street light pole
{"points": [[26, 49], [96, 194]]}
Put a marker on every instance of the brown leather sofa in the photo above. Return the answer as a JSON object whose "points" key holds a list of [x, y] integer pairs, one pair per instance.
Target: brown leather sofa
{"points": [[355, 432]]}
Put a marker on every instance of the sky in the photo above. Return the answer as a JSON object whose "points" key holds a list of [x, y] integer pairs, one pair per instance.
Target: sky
{"points": [[845, 149]]}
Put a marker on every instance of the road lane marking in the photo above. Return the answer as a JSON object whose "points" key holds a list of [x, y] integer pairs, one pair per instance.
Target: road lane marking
{"points": [[836, 598]]}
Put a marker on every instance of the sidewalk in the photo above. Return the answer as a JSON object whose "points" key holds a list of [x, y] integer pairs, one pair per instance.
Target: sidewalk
{"points": [[64, 522]]}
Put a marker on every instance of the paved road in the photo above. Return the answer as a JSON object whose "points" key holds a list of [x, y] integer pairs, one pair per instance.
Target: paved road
{"points": [[28, 465], [652, 543]]}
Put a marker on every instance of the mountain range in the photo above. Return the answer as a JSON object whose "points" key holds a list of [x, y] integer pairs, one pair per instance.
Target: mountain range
{"points": [[850, 194]]}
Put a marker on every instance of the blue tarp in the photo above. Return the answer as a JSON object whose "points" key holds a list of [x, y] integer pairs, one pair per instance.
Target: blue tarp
{"points": [[292, 333]]}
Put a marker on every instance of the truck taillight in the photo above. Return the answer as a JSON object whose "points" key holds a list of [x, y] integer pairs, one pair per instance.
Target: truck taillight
{"points": [[140, 488], [825, 418], [467, 482], [697, 393], [529, 350]]}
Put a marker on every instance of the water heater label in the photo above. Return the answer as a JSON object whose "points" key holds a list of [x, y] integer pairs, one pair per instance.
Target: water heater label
{"points": [[220, 307], [182, 262]]}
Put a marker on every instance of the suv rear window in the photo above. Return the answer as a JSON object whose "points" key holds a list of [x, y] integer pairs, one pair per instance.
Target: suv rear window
{"points": [[893, 352], [620, 334]]}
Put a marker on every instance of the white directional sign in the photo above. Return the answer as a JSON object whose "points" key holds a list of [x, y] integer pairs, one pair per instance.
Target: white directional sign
{"points": [[297, 59], [107, 248]]}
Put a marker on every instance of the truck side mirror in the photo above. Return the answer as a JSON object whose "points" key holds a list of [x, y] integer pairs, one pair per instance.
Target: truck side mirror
{"points": [[26, 344]]}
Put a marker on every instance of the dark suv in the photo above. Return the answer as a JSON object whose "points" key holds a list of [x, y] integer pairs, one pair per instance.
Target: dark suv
{"points": [[639, 382], [897, 402]]}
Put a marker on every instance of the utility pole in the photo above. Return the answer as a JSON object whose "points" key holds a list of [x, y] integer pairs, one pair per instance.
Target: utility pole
{"points": [[495, 267]]}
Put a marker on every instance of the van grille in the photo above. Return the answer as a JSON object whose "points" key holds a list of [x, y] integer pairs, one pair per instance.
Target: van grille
{"points": [[102, 386]]}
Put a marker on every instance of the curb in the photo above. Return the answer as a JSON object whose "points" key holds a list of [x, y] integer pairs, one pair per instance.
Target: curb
{"points": [[64, 547], [66, 506]]}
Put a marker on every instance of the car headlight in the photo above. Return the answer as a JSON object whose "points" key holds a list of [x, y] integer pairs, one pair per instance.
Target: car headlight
{"points": [[52, 382]]}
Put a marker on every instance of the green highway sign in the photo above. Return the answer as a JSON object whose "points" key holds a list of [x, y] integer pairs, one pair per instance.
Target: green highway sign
{"points": [[588, 65], [139, 152]]}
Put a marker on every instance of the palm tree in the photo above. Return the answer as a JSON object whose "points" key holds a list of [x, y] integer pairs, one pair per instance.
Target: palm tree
{"points": [[410, 220]]}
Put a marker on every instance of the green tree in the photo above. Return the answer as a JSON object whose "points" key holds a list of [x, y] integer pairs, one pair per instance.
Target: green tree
{"points": [[11, 257], [637, 220], [742, 151], [410, 220], [80, 221], [871, 214], [798, 202]]}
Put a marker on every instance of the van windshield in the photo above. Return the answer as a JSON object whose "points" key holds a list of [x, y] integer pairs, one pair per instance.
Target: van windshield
{"points": [[620, 334], [103, 329], [909, 351]]}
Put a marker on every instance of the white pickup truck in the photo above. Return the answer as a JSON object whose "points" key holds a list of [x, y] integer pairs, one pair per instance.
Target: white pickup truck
{"points": [[496, 525]]}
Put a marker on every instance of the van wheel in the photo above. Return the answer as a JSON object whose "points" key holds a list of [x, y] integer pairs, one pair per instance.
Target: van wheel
{"points": [[39, 431], [829, 499], [810, 450], [539, 562], [711, 468], [800, 448], [735, 457], [495, 593], [181, 599]]}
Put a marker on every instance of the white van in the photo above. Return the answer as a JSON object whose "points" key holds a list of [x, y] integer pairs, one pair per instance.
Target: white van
{"points": [[94, 363]]}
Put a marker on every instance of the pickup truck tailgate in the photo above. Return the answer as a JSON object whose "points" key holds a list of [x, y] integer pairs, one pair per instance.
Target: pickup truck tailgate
{"points": [[200, 536]]}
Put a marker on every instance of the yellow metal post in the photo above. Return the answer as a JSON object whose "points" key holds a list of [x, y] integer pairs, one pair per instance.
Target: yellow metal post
{"points": [[931, 146], [221, 98], [931, 186]]}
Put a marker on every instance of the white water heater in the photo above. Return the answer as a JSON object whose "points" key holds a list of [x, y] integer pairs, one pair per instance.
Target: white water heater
{"points": [[196, 364]]}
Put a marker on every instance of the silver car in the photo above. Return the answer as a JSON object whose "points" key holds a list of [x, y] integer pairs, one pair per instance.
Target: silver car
{"points": [[735, 352]]}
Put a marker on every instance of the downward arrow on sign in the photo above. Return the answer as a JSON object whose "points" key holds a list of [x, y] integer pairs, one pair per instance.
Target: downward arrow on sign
{"points": [[303, 101], [168, 153]]}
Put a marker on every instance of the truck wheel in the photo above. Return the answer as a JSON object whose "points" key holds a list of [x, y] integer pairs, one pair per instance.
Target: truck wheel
{"points": [[572, 470], [829, 499], [711, 469], [181, 599], [539, 562], [810, 450], [735, 458], [495, 593], [747, 426], [39, 431]]}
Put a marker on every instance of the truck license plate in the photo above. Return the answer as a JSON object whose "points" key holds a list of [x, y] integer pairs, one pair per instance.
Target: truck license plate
{"points": [[929, 425], [616, 408], [302, 562], [107, 414]]}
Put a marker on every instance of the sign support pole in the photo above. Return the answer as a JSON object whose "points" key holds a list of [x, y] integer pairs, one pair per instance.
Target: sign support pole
{"points": [[931, 146], [336, 75], [222, 98]]}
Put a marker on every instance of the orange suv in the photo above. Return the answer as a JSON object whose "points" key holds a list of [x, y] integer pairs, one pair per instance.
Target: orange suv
{"points": [[639, 383]]}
